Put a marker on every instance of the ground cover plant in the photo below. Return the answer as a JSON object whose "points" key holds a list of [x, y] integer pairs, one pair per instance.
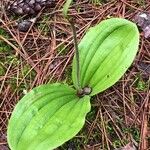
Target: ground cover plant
{"points": [[51, 114], [94, 114]]}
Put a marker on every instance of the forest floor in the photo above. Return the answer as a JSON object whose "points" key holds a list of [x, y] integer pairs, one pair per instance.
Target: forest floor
{"points": [[119, 116]]}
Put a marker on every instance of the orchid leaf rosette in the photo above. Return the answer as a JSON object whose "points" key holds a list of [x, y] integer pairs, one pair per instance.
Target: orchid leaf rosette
{"points": [[51, 114]]}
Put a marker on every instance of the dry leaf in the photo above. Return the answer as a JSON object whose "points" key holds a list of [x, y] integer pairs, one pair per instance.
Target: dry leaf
{"points": [[129, 146], [143, 21]]}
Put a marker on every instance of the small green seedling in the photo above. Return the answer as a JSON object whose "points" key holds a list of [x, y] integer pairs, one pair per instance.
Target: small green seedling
{"points": [[51, 114]]}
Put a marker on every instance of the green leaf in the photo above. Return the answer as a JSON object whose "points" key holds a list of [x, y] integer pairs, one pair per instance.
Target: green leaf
{"points": [[66, 7], [46, 117], [106, 52]]}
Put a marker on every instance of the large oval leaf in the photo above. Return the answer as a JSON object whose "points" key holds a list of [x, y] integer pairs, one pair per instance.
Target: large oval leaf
{"points": [[106, 52], [46, 117]]}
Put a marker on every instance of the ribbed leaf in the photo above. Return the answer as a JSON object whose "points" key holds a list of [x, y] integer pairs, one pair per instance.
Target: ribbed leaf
{"points": [[46, 117], [106, 52]]}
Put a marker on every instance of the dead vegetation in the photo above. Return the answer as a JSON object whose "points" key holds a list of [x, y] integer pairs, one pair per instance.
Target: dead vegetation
{"points": [[44, 54]]}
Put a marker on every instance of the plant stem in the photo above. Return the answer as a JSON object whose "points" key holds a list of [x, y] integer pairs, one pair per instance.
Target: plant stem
{"points": [[76, 52]]}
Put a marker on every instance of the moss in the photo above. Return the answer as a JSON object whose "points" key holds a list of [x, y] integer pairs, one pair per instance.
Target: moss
{"points": [[140, 2], [43, 26], [12, 59], [91, 115], [62, 49], [68, 76], [14, 87], [2, 70], [3, 46], [97, 2], [140, 84], [26, 71]]}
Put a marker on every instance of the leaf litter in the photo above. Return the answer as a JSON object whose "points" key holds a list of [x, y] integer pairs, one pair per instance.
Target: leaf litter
{"points": [[105, 131]]}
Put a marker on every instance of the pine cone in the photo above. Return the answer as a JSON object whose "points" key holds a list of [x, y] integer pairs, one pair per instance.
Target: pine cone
{"points": [[29, 7], [24, 25]]}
